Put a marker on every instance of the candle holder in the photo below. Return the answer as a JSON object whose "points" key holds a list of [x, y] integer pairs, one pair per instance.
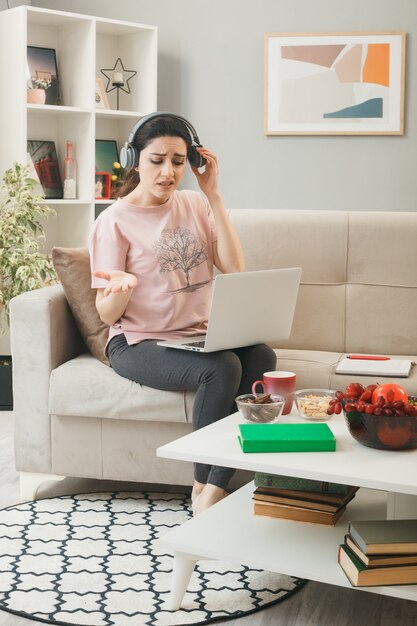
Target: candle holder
{"points": [[116, 77]]}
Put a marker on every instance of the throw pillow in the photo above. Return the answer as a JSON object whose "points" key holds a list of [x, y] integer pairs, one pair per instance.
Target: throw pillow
{"points": [[73, 268]]}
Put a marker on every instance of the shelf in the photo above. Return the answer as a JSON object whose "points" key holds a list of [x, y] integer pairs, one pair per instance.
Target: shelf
{"points": [[120, 27], [52, 18], [48, 109], [65, 201], [229, 531], [83, 45], [106, 113]]}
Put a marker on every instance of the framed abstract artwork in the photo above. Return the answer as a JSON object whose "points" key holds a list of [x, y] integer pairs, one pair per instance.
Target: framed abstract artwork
{"points": [[334, 84]]}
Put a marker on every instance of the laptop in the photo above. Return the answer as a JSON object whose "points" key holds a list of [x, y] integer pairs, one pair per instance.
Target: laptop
{"points": [[247, 308]]}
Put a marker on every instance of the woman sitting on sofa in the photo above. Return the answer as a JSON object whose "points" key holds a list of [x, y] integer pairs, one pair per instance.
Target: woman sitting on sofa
{"points": [[152, 254]]}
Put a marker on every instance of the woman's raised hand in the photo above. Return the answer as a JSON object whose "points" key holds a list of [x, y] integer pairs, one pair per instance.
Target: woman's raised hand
{"points": [[208, 179], [117, 281]]}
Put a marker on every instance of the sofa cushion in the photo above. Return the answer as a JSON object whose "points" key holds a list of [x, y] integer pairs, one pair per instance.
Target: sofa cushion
{"points": [[73, 268], [382, 316], [314, 368], [85, 387], [316, 241]]}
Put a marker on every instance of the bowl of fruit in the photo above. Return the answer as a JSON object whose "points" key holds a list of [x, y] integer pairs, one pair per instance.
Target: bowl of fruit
{"points": [[380, 416]]}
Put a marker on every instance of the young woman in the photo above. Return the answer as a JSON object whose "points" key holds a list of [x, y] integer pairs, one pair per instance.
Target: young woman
{"points": [[152, 256]]}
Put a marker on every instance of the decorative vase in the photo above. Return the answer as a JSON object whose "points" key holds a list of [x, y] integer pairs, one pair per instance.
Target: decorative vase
{"points": [[36, 96]]}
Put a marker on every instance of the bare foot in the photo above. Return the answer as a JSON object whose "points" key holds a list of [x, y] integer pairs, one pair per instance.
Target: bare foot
{"points": [[209, 496], [197, 489]]}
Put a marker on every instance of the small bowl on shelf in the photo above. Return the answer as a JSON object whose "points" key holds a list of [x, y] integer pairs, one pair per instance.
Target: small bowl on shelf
{"points": [[260, 408], [312, 404], [384, 432]]}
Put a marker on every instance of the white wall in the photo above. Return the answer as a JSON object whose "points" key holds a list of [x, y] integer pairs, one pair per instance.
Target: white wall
{"points": [[11, 4], [211, 71]]}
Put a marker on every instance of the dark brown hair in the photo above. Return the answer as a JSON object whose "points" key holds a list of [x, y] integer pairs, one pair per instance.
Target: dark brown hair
{"points": [[164, 126]]}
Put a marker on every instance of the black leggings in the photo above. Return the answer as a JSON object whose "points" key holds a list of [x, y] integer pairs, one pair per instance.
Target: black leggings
{"points": [[217, 377]]}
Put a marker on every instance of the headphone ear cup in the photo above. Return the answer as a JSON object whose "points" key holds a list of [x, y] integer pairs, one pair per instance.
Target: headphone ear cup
{"points": [[128, 156], [195, 158]]}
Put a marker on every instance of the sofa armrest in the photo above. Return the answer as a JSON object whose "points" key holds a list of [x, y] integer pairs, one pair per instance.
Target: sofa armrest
{"points": [[43, 336]]}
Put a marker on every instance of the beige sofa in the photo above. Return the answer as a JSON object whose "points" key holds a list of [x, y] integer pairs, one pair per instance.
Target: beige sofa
{"points": [[76, 417]]}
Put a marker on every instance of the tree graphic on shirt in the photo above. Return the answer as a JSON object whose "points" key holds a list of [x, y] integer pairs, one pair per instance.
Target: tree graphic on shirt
{"points": [[180, 249]]}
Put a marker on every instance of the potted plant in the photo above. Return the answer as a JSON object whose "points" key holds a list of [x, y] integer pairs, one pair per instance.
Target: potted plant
{"points": [[22, 266], [36, 95]]}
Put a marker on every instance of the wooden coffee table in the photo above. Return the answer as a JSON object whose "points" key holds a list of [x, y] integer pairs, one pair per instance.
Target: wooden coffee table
{"points": [[230, 531]]}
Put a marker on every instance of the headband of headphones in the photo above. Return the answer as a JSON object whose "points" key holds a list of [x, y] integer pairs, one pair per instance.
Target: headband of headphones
{"points": [[129, 156]]}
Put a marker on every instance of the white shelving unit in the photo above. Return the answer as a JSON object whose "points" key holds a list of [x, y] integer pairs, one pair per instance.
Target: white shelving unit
{"points": [[84, 45]]}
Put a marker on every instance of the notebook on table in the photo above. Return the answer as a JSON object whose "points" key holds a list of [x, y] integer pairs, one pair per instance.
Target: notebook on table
{"points": [[247, 308], [391, 367]]}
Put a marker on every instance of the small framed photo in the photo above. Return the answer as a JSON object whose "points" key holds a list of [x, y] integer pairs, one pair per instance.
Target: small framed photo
{"points": [[42, 76], [44, 167], [101, 99], [334, 83], [102, 186], [106, 154]]}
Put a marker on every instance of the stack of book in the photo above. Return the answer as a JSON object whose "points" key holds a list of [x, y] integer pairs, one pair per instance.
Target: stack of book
{"points": [[300, 499], [380, 552]]}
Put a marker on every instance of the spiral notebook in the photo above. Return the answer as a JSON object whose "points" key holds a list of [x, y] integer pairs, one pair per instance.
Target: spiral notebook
{"points": [[392, 367]]}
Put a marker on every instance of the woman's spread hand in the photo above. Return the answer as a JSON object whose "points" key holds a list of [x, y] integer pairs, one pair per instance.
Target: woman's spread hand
{"points": [[208, 179], [117, 281]]}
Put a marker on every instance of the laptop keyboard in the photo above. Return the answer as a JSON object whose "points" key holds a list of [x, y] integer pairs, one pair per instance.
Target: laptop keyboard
{"points": [[196, 344]]}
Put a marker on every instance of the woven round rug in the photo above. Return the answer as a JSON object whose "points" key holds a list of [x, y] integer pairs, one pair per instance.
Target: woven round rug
{"points": [[93, 559]]}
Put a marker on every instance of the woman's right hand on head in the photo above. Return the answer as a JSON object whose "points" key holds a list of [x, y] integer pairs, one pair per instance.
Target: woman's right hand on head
{"points": [[117, 281]]}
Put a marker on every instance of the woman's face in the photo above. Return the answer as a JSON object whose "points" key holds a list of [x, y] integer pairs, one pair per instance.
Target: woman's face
{"points": [[161, 168]]}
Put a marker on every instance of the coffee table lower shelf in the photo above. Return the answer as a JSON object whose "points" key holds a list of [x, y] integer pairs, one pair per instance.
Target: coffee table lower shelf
{"points": [[229, 531]]}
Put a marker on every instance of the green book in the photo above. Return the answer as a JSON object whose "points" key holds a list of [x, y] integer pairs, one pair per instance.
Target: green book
{"points": [[286, 438], [393, 536], [277, 481]]}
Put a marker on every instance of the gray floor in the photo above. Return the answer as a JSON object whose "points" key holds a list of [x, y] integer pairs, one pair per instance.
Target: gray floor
{"points": [[315, 605]]}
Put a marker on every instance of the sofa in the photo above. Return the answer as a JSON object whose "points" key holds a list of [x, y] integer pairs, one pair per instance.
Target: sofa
{"points": [[74, 416]]}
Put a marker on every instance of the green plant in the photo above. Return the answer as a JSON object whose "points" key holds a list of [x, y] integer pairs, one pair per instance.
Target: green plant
{"points": [[22, 266]]}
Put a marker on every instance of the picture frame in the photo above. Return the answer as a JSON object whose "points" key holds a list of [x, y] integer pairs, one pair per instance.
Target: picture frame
{"points": [[334, 83], [106, 154], [100, 97], [42, 76], [44, 167], [102, 186]]}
